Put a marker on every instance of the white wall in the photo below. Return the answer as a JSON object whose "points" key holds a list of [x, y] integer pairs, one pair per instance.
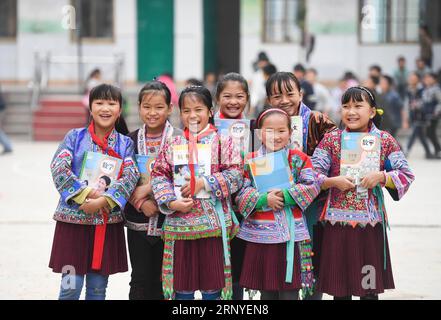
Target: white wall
{"points": [[17, 59], [188, 39]]}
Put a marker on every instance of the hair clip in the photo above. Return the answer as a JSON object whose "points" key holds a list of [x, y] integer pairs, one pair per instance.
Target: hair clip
{"points": [[380, 112]]}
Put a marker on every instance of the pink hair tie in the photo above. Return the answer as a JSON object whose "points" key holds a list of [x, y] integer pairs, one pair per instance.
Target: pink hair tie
{"points": [[267, 111]]}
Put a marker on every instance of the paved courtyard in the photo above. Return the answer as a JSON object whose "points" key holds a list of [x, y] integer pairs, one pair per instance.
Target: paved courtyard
{"points": [[28, 199]]}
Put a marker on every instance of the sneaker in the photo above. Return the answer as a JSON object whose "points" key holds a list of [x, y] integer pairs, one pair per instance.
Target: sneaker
{"points": [[5, 152]]}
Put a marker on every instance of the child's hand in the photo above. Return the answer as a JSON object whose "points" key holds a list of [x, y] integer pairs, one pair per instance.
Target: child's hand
{"points": [[182, 205], [91, 206], [186, 190], [141, 192], [150, 208], [372, 179], [342, 183], [318, 115], [275, 201]]}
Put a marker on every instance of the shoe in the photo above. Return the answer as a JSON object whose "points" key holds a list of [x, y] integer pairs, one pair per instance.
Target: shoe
{"points": [[5, 152], [433, 156]]}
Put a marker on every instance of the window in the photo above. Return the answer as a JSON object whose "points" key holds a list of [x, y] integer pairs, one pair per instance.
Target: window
{"points": [[397, 21], [96, 18], [283, 20], [8, 18]]}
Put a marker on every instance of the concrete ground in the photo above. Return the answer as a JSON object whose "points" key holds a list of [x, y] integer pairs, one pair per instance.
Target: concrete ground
{"points": [[28, 199]]}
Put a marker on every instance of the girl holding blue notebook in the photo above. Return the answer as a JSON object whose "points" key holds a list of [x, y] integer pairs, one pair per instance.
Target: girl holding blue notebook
{"points": [[278, 246]]}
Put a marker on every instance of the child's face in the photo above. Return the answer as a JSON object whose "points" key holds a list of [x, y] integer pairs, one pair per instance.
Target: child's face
{"points": [[105, 113], [232, 99], [275, 132], [154, 111], [101, 185], [429, 80], [287, 100], [356, 115], [195, 115]]}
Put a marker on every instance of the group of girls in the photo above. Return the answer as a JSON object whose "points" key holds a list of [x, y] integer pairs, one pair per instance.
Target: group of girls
{"points": [[312, 238]]}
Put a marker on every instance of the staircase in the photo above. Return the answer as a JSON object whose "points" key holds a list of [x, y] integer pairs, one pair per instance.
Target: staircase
{"points": [[57, 115]]}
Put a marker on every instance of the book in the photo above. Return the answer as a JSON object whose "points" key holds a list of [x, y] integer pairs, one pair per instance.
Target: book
{"points": [[360, 155], [145, 166], [271, 171], [99, 170], [296, 141], [237, 129], [181, 169]]}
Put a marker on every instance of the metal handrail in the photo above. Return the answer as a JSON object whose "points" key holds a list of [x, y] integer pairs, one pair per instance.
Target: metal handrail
{"points": [[42, 65]]}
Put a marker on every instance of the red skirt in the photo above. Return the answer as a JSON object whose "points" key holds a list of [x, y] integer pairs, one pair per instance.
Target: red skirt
{"points": [[198, 265], [264, 267], [352, 258], [73, 246]]}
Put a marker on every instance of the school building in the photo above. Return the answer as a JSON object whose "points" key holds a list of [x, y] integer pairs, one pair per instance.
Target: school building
{"points": [[133, 41], [190, 37]]}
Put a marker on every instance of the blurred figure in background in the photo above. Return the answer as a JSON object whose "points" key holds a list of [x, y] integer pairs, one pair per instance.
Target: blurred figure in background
{"points": [[322, 95], [4, 140], [432, 109], [308, 91], [258, 91], [413, 104], [421, 68], [400, 75], [392, 104], [426, 50], [210, 81]]}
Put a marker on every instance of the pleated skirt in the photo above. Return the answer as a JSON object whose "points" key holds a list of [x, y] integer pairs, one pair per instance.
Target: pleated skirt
{"points": [[264, 267], [351, 261], [198, 264], [73, 246]]}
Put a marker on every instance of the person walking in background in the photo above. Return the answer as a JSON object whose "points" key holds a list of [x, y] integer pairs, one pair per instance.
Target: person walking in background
{"points": [[4, 140], [258, 93], [426, 50], [413, 104], [307, 88], [421, 68], [400, 75], [432, 108], [321, 93], [391, 103]]}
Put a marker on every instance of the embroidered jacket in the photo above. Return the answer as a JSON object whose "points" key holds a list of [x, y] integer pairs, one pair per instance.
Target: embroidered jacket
{"points": [[225, 179], [66, 167], [272, 226], [344, 207], [136, 220]]}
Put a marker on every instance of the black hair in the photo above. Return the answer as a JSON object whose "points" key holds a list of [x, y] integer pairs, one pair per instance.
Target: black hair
{"points": [[281, 79], [401, 58], [262, 56], [194, 82], [266, 112], [105, 92], [360, 94], [299, 67], [375, 67], [349, 75], [389, 80], [432, 74], [269, 69], [232, 76], [107, 179], [108, 92], [201, 93], [375, 79], [155, 85]]}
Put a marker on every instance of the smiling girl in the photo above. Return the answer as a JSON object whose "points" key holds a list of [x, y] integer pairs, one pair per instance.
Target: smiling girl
{"points": [[197, 231], [354, 229], [89, 237]]}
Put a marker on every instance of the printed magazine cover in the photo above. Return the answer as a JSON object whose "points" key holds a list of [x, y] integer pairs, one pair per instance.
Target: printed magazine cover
{"points": [[181, 170], [360, 154], [297, 133], [145, 166], [271, 171], [99, 170], [238, 129]]}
